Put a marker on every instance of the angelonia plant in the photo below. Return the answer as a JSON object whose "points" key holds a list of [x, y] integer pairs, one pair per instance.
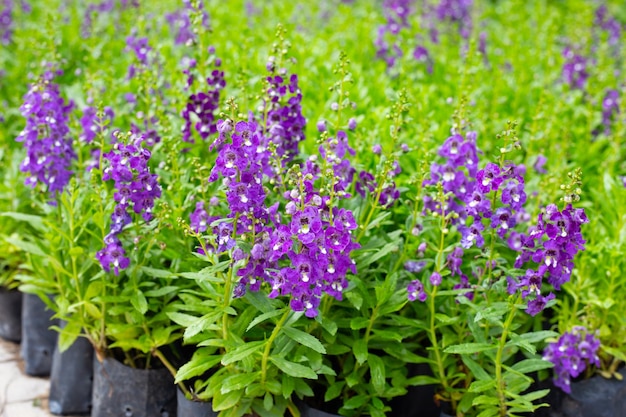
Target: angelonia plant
{"points": [[486, 268], [216, 188]]}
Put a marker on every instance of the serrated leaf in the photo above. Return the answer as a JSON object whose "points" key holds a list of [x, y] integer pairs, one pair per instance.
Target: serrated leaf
{"points": [[197, 366], [263, 317], [358, 323], [377, 373], [482, 386], [225, 401], [139, 302], [241, 352], [356, 402], [237, 382], [294, 369], [304, 339], [469, 348], [334, 390], [477, 370], [156, 273], [531, 365]]}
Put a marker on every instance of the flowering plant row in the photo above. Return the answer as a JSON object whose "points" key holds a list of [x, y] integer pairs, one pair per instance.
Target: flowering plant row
{"points": [[283, 215]]}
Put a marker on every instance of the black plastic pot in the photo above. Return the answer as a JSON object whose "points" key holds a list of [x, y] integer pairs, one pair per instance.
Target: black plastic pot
{"points": [[10, 315], [38, 341], [188, 408], [418, 401], [306, 411], [122, 391], [594, 397], [71, 379]]}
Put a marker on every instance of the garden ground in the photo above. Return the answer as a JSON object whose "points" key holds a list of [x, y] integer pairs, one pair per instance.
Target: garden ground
{"points": [[20, 395]]}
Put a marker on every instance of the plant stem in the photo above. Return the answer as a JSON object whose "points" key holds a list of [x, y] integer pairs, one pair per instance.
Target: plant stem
{"points": [[432, 335], [170, 367], [270, 341], [498, 362]]}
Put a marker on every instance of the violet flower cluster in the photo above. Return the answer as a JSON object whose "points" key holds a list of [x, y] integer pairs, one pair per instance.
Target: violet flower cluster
{"points": [[285, 123], [571, 355], [203, 105], [456, 12], [6, 21], [610, 110], [49, 151], [180, 22], [575, 73], [552, 245], [141, 49], [397, 14], [135, 189], [92, 125], [608, 24], [105, 6], [301, 253]]}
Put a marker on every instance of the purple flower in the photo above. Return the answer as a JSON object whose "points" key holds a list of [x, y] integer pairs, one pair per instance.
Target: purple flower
{"points": [[49, 151], [571, 355], [575, 69], [414, 267], [540, 163], [416, 291], [435, 278], [113, 255]]}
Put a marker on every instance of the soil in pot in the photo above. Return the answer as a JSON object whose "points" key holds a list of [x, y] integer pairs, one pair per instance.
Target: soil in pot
{"points": [[189, 408], [71, 379], [38, 341], [10, 315], [122, 391]]}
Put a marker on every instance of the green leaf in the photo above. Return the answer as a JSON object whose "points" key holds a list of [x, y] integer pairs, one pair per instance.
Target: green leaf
{"points": [[69, 334], [293, 369], [25, 246], [531, 365], [160, 292], [183, 319], [268, 401], [469, 348], [304, 339], [359, 323], [334, 390], [485, 400], [157, 273], [35, 221], [481, 386], [356, 402], [477, 370], [241, 352], [225, 401], [198, 365], [377, 373], [139, 302], [238, 381], [421, 380], [360, 350], [263, 317]]}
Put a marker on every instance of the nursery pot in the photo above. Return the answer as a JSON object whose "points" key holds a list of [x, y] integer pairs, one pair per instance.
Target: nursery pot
{"points": [[306, 411], [38, 341], [71, 379], [594, 397], [419, 400], [10, 315], [122, 391], [189, 408]]}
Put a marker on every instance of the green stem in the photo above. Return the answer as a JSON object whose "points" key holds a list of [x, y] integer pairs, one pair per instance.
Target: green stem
{"points": [[500, 388], [270, 341], [170, 367]]}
